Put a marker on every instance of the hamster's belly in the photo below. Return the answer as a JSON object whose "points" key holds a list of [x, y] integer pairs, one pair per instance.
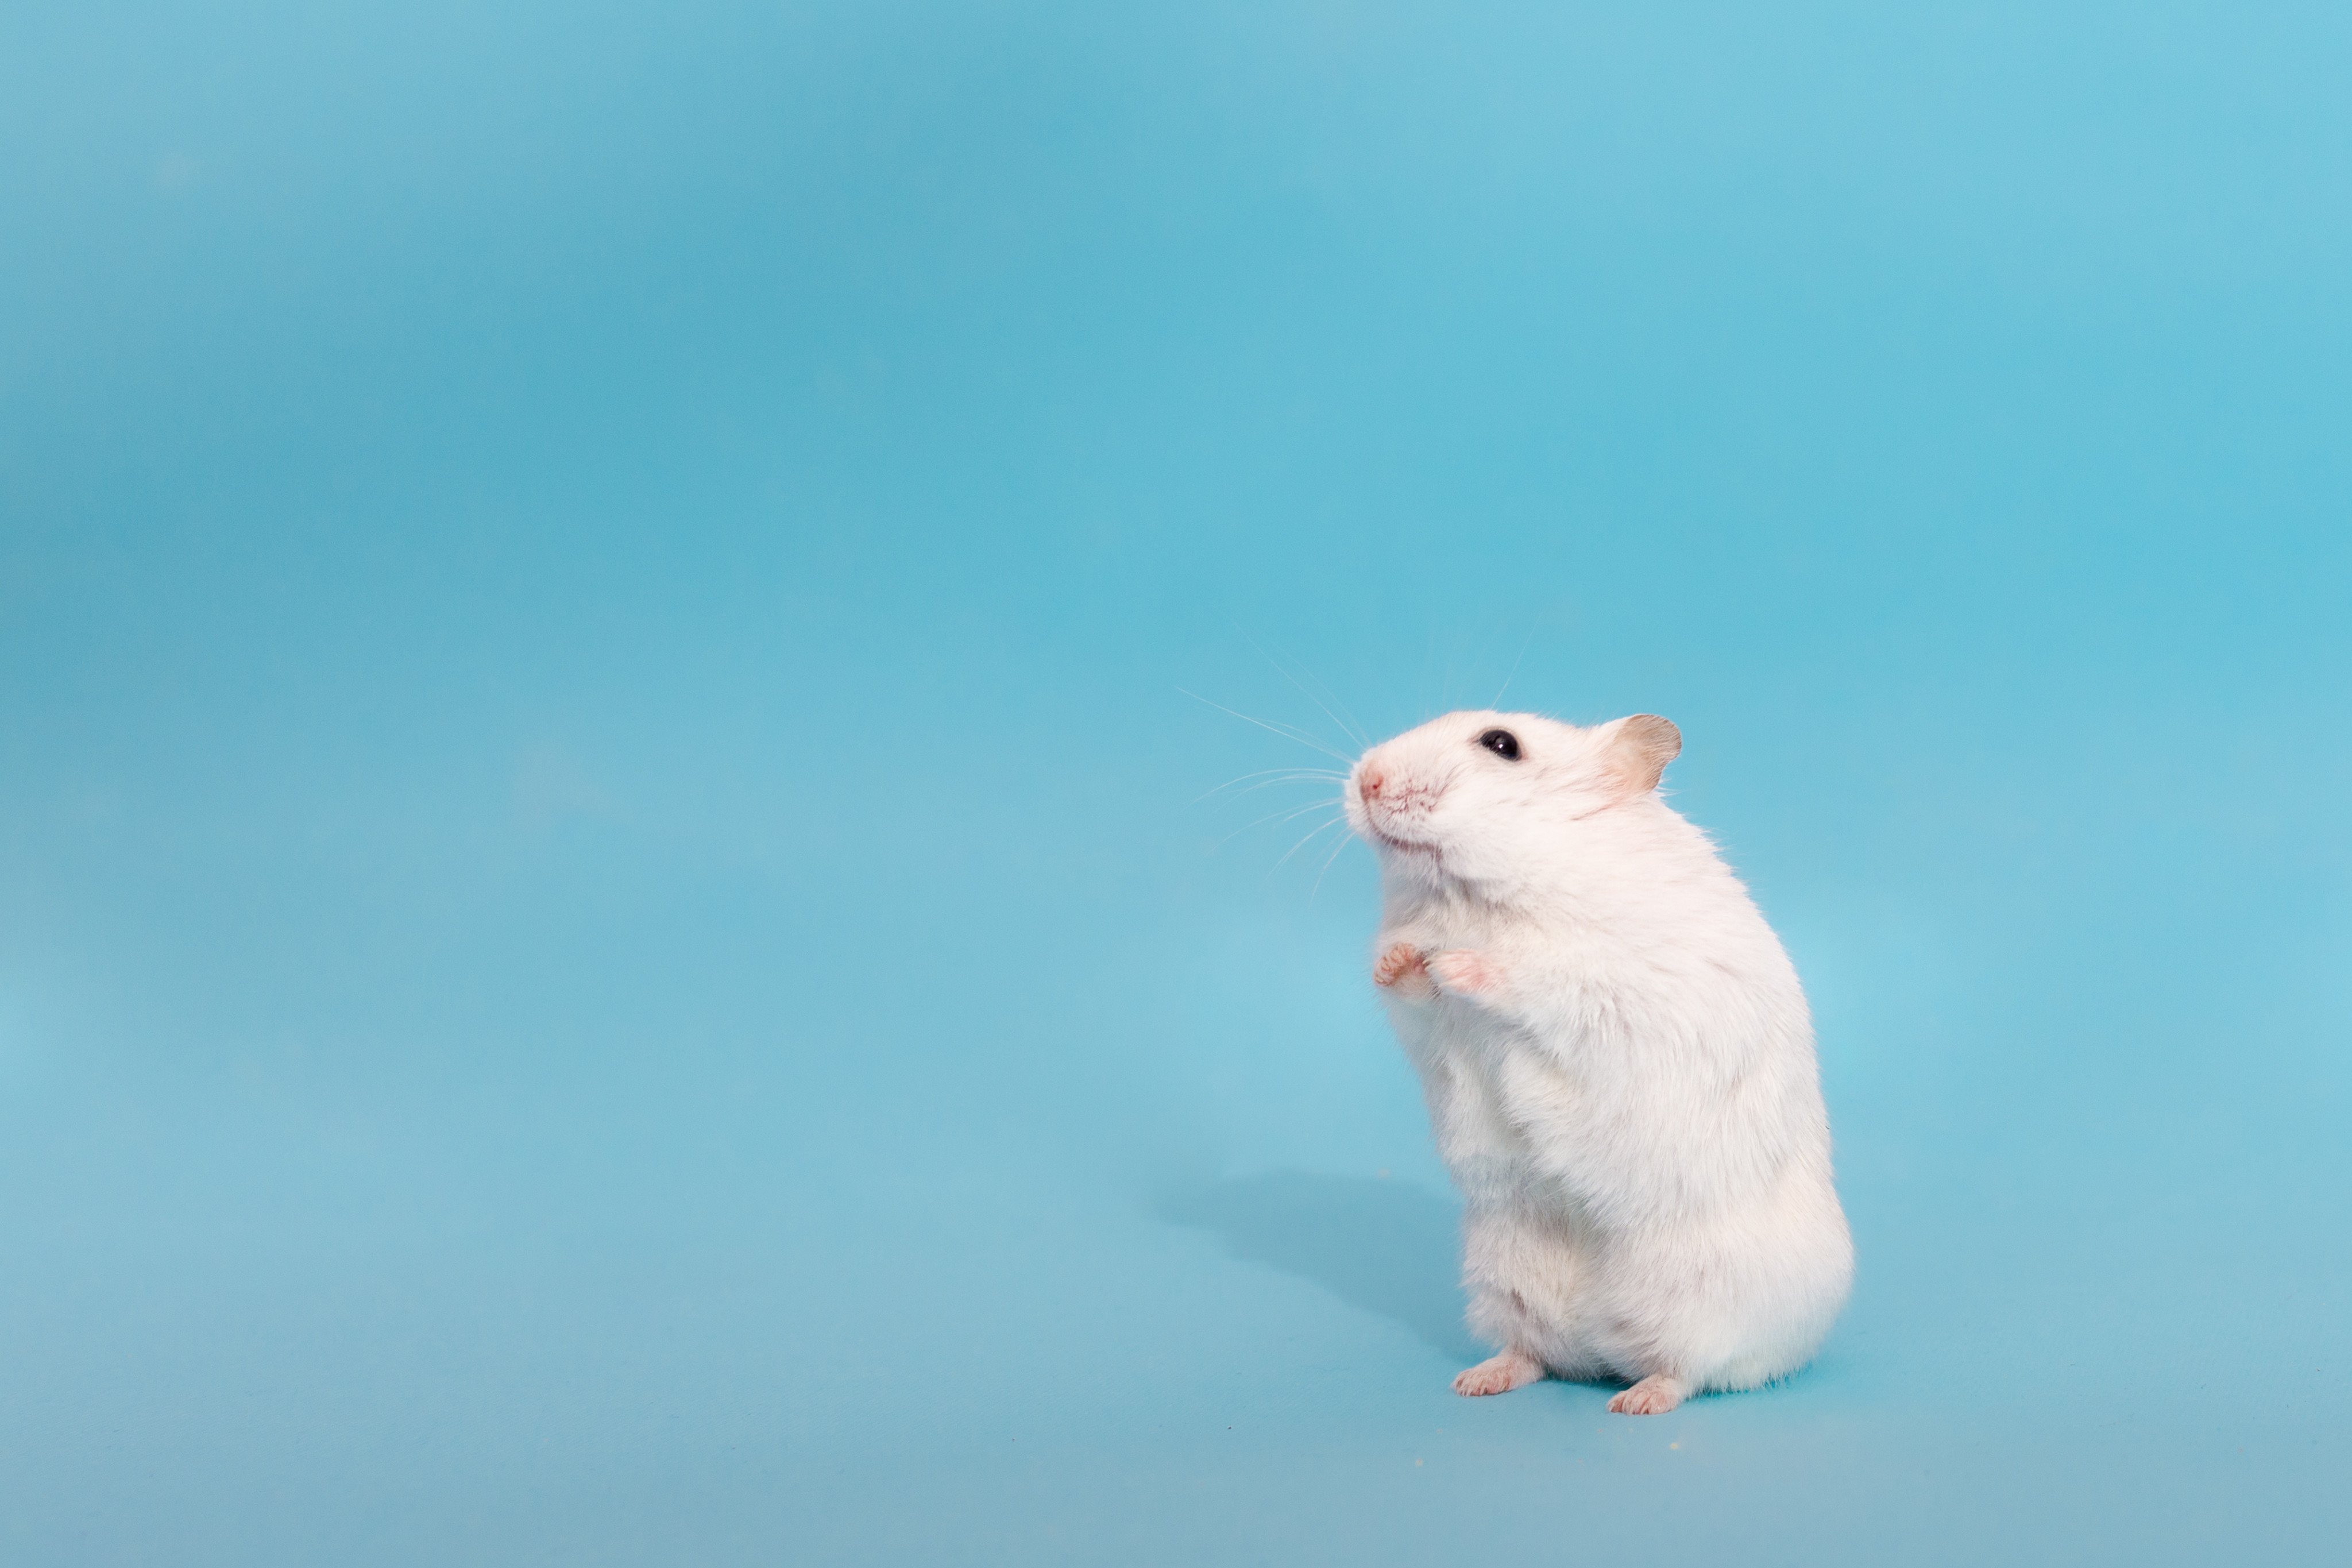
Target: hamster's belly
{"points": [[1461, 1066]]}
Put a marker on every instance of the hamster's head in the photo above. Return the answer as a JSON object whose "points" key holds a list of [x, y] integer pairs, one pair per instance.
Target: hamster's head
{"points": [[1489, 801]]}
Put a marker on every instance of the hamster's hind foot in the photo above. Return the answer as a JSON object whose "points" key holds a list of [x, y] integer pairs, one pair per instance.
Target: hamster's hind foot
{"points": [[1653, 1395], [1500, 1374]]}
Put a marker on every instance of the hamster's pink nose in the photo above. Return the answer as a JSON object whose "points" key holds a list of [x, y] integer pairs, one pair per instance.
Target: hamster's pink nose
{"points": [[1369, 781]]}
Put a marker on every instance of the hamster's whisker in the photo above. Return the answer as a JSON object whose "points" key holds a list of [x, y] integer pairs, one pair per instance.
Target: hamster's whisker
{"points": [[1362, 741], [1267, 773], [1336, 850], [1274, 776], [1342, 715], [1286, 731], [1287, 815], [1313, 833], [1299, 811], [1325, 779], [1525, 643]]}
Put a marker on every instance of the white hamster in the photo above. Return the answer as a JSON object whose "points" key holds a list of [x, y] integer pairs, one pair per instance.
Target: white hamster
{"points": [[1617, 1057]]}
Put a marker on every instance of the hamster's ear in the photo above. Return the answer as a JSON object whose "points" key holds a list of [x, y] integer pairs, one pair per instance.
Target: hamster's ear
{"points": [[1639, 749]]}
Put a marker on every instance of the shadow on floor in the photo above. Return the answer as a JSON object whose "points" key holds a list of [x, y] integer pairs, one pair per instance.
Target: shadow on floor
{"points": [[1384, 1247]]}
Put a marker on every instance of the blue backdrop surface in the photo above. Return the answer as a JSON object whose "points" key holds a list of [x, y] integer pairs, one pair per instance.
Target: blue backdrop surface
{"points": [[615, 946]]}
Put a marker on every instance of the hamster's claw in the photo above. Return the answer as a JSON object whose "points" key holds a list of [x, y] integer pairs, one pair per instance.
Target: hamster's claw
{"points": [[1400, 968], [1653, 1395]]}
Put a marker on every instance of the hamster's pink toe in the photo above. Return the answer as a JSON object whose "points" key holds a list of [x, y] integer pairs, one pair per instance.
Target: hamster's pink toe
{"points": [[1653, 1395]]}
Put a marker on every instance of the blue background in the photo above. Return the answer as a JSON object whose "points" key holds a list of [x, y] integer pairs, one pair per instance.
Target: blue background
{"points": [[610, 948]]}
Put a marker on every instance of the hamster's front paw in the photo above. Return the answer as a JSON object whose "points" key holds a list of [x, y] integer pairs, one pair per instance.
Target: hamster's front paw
{"points": [[1462, 971], [1400, 969]]}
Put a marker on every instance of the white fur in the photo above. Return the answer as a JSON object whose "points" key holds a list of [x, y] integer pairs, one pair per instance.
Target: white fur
{"points": [[1617, 1057]]}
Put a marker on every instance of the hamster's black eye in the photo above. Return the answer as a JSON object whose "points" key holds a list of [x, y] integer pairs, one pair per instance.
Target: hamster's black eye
{"points": [[1502, 742]]}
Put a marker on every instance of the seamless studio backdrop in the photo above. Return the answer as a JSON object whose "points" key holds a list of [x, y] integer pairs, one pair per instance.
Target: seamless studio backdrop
{"points": [[615, 946]]}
